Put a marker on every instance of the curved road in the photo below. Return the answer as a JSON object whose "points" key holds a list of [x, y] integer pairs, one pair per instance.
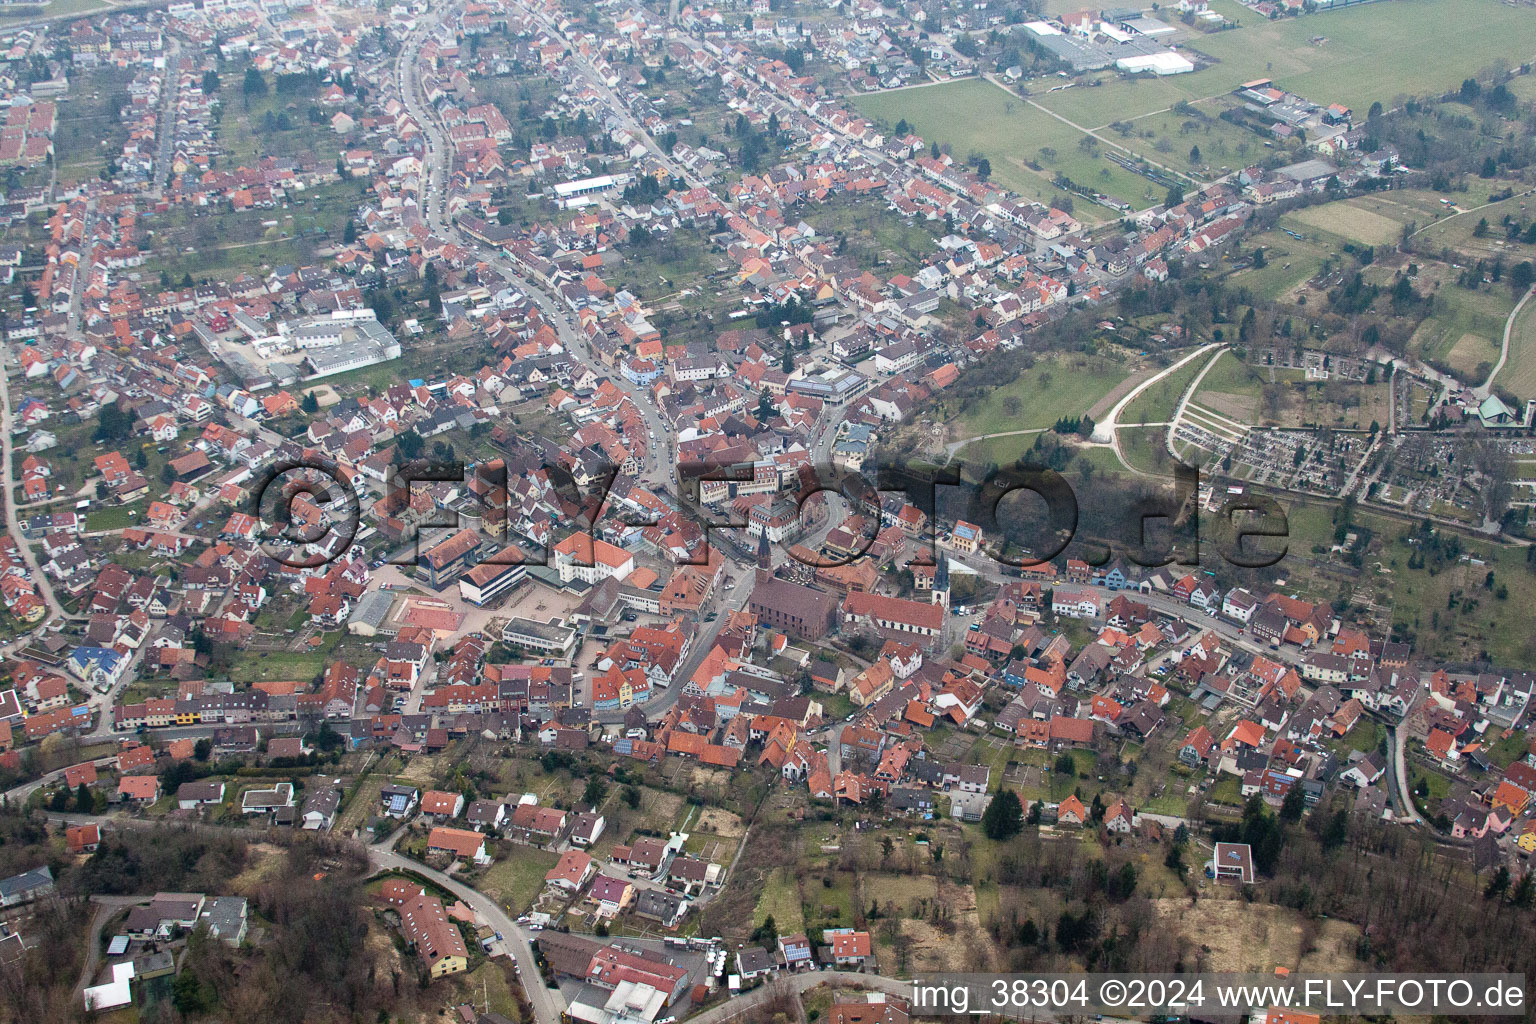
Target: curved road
{"points": [[1509, 327]]}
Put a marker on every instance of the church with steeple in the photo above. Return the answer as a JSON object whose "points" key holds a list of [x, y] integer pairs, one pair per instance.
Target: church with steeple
{"points": [[940, 593]]}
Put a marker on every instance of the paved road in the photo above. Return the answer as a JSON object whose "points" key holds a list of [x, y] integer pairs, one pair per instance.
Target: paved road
{"points": [[1178, 413], [106, 906], [1104, 430], [1509, 327], [18, 795], [548, 1004], [7, 456]]}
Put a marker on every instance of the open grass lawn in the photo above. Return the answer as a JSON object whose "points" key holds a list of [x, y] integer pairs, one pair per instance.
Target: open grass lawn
{"points": [[1420, 601], [1170, 139], [1064, 385], [1372, 52], [253, 666], [89, 131], [1229, 377], [1336, 404], [1442, 229], [516, 879], [1157, 403], [1289, 262], [1509, 747], [1439, 785], [1228, 790], [876, 237], [1002, 450], [116, 517], [1101, 458], [224, 243], [781, 901], [246, 133], [1143, 448], [665, 265], [1365, 736], [1364, 226], [1479, 621], [1377, 218], [828, 906], [975, 116], [1519, 372], [1117, 98], [53, 9], [361, 804]]}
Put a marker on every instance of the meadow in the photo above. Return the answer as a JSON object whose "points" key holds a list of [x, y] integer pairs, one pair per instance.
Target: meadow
{"points": [[1355, 56], [975, 116], [1066, 385], [1519, 372]]}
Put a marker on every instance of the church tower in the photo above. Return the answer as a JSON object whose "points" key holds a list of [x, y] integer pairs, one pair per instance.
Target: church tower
{"points": [[940, 593], [764, 558]]}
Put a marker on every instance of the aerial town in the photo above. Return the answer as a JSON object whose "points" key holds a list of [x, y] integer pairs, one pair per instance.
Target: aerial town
{"points": [[510, 505]]}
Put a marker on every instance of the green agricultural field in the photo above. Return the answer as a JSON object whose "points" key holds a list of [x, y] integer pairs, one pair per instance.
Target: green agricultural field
{"points": [[1465, 329], [1369, 53], [1066, 385], [1355, 223], [1405, 206], [1374, 52], [975, 116]]}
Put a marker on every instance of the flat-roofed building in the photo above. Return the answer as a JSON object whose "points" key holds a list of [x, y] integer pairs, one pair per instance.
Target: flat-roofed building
{"points": [[490, 580], [544, 637]]}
